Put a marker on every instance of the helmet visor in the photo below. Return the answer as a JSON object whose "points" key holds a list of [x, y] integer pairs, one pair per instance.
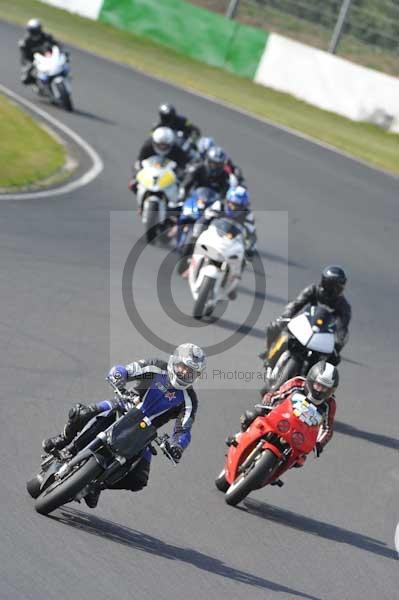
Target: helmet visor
{"points": [[320, 392], [184, 373]]}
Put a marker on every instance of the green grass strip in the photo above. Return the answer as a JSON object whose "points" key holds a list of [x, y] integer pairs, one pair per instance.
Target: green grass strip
{"points": [[364, 141], [28, 154]]}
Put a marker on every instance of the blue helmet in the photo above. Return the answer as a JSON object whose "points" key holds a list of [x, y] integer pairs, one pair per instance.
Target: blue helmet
{"points": [[204, 144], [237, 199]]}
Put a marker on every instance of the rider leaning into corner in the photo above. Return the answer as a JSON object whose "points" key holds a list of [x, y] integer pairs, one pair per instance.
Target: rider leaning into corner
{"points": [[36, 40], [329, 293], [318, 387], [163, 391]]}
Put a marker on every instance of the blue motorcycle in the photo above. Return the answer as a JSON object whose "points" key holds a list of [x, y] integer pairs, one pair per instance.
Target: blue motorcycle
{"points": [[192, 210]]}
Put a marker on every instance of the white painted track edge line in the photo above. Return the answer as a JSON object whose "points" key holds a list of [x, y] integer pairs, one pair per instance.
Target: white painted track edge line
{"points": [[85, 179]]}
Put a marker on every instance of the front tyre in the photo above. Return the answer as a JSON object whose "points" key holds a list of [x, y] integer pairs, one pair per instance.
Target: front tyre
{"points": [[60, 493], [289, 370], [65, 97], [257, 473], [205, 293]]}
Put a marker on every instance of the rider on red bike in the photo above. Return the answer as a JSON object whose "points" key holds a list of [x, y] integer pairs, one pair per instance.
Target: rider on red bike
{"points": [[318, 387]]}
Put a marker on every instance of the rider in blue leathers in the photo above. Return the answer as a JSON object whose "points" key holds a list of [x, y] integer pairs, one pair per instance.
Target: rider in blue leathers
{"points": [[163, 392]]}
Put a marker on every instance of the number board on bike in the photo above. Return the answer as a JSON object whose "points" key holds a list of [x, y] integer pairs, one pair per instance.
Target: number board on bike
{"points": [[305, 411]]}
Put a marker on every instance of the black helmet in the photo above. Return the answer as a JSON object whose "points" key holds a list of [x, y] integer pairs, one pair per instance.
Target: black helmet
{"points": [[321, 382], [34, 28], [332, 284], [167, 113], [215, 160]]}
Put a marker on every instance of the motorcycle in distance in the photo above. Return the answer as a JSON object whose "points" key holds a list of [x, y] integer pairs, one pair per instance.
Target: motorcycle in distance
{"points": [[103, 453], [52, 79], [216, 265], [308, 338], [268, 448], [157, 191], [192, 210]]}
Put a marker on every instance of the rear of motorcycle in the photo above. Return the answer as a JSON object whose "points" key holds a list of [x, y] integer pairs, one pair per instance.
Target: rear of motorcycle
{"points": [[106, 459]]}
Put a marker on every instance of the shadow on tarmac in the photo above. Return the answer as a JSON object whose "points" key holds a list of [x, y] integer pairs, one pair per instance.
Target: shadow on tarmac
{"points": [[320, 529], [137, 540]]}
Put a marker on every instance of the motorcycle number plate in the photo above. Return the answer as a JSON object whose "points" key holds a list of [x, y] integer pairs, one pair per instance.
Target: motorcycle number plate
{"points": [[305, 411]]}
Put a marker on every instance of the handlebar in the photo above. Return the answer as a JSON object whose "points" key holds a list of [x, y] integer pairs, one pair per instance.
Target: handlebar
{"points": [[163, 443]]}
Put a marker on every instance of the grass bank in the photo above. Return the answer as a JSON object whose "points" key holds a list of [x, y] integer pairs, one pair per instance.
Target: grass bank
{"points": [[28, 154], [364, 141]]}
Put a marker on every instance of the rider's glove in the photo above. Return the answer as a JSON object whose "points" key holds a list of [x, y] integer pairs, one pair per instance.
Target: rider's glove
{"points": [[118, 376], [132, 185], [318, 449], [176, 452]]}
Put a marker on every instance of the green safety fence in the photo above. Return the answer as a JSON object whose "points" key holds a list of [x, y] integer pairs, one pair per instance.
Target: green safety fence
{"points": [[191, 30]]}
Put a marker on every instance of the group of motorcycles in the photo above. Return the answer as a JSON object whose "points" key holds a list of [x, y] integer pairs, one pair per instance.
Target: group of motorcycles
{"points": [[218, 255], [107, 449]]}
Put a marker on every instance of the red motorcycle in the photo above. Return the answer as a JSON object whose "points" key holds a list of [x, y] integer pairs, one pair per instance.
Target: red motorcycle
{"points": [[270, 446]]}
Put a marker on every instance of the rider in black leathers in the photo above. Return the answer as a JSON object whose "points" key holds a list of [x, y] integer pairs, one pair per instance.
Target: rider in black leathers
{"points": [[328, 292], [168, 117], [36, 40]]}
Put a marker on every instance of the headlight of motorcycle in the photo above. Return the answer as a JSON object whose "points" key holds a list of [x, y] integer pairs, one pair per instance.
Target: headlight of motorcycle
{"points": [[297, 439], [283, 426]]}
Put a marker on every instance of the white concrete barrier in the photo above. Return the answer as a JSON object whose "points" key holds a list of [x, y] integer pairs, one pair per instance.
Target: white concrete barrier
{"points": [[329, 82], [86, 8]]}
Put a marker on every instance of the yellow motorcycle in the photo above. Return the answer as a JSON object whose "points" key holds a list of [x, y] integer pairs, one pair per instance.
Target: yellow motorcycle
{"points": [[157, 191]]}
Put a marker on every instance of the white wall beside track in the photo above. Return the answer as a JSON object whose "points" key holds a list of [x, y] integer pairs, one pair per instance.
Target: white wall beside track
{"points": [[329, 82]]}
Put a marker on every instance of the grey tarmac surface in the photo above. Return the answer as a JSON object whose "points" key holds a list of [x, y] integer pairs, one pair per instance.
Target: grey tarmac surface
{"points": [[328, 534]]}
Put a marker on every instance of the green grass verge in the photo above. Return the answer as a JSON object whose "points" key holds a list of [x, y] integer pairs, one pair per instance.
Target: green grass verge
{"points": [[28, 154], [367, 142]]}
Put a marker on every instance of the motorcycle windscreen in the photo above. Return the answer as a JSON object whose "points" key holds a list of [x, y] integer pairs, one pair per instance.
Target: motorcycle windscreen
{"points": [[132, 434], [300, 328], [322, 342]]}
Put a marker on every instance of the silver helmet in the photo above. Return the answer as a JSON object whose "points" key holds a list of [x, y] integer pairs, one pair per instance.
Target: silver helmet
{"points": [[321, 382], [162, 140], [185, 364]]}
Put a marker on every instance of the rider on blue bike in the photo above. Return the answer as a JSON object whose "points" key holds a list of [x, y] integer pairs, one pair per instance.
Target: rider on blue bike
{"points": [[163, 391]]}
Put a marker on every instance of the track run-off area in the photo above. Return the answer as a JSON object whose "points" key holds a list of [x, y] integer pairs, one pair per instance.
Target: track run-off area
{"points": [[328, 534]]}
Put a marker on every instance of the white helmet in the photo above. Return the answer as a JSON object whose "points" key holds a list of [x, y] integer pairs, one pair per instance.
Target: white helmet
{"points": [[185, 364], [162, 140]]}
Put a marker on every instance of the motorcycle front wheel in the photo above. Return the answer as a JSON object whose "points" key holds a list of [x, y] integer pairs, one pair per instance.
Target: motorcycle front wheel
{"points": [[65, 97], [255, 475], [61, 492], [205, 293]]}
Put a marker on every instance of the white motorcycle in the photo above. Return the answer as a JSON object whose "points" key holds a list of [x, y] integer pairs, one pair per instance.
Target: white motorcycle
{"points": [[308, 338], [216, 265], [157, 190], [51, 71]]}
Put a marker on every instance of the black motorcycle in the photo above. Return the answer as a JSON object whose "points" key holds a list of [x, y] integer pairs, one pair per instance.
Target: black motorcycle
{"points": [[106, 450], [306, 339]]}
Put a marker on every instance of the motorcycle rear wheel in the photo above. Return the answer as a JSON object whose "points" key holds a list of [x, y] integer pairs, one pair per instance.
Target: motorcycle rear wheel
{"points": [[261, 469], [55, 496]]}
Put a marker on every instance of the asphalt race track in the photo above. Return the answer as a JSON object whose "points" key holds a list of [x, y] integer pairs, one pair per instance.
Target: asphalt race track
{"points": [[329, 533]]}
